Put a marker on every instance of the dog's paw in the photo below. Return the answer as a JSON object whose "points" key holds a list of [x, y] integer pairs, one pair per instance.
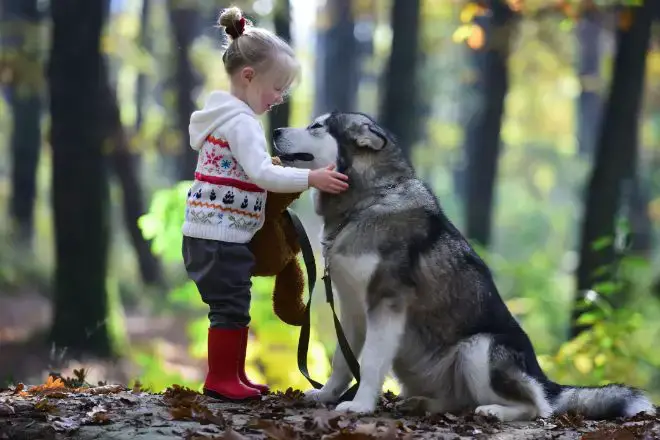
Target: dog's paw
{"points": [[355, 406], [416, 405], [497, 411], [321, 396]]}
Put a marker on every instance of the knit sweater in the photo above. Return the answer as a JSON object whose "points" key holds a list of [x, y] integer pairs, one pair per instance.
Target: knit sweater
{"points": [[234, 171]]}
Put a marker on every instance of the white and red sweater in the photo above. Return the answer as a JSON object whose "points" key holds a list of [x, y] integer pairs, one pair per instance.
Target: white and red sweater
{"points": [[234, 171]]}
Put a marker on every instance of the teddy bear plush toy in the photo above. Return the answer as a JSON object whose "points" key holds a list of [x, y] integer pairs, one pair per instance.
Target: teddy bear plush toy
{"points": [[275, 247]]}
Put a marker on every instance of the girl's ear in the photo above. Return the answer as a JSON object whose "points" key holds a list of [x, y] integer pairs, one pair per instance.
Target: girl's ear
{"points": [[247, 74]]}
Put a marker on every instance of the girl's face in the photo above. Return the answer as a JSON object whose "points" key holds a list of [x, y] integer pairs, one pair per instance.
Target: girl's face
{"points": [[265, 90], [263, 94]]}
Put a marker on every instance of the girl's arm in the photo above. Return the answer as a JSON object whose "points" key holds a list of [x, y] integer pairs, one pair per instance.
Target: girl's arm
{"points": [[248, 145]]}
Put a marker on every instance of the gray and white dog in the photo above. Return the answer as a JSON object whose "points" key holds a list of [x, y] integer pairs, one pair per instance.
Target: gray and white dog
{"points": [[415, 298]]}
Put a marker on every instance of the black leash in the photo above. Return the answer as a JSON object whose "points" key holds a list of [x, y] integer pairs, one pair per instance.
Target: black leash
{"points": [[303, 341]]}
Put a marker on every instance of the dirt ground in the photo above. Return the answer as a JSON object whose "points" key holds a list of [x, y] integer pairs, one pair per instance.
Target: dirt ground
{"points": [[62, 410], [72, 409]]}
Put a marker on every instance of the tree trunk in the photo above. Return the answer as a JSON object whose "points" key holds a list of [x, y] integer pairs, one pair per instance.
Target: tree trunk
{"points": [[125, 165], [641, 227], [145, 44], [279, 116], [80, 187], [484, 115], [184, 19], [337, 88], [25, 99], [615, 155], [399, 112], [589, 30]]}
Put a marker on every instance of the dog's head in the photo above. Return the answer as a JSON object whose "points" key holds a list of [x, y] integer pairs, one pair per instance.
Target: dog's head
{"points": [[353, 141]]}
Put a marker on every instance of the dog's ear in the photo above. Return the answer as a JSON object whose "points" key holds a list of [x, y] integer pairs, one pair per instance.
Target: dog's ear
{"points": [[370, 136]]}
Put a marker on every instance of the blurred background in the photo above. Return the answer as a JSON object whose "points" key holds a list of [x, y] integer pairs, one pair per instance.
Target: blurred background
{"points": [[537, 123]]}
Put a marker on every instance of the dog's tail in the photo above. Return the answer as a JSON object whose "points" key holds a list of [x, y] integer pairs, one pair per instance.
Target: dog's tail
{"points": [[596, 403]]}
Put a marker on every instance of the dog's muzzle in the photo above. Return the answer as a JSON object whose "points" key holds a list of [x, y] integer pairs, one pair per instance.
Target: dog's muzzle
{"points": [[305, 157]]}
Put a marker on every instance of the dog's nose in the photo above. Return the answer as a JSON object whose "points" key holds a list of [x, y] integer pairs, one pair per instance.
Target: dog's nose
{"points": [[277, 133]]}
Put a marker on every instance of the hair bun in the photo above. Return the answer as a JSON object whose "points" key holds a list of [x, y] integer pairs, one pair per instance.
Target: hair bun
{"points": [[233, 21]]}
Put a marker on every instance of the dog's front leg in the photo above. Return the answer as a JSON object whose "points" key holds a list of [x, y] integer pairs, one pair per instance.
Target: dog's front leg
{"points": [[354, 326], [385, 327]]}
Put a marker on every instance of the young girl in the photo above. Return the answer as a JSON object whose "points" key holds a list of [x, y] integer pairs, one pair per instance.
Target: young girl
{"points": [[225, 203]]}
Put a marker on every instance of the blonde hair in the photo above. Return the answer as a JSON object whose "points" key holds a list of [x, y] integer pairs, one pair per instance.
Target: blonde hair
{"points": [[256, 47]]}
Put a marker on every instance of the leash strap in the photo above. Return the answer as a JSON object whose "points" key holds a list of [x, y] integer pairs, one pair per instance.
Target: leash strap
{"points": [[303, 341]]}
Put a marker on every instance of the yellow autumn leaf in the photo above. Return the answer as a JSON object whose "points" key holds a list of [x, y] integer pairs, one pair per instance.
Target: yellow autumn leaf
{"points": [[469, 11], [583, 363], [461, 33]]}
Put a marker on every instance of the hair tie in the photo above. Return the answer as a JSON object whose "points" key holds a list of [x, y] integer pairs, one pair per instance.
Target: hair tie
{"points": [[237, 29]]}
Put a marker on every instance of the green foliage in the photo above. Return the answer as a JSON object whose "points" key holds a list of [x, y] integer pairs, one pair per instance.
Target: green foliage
{"points": [[116, 319], [154, 374], [162, 223], [620, 344]]}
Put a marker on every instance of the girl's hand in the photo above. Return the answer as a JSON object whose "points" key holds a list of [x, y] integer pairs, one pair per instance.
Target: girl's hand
{"points": [[327, 180]]}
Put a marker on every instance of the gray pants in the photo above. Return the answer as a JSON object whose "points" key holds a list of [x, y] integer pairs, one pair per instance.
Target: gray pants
{"points": [[222, 273]]}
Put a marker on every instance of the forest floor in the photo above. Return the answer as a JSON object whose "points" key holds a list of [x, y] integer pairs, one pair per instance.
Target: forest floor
{"points": [[59, 409], [71, 409]]}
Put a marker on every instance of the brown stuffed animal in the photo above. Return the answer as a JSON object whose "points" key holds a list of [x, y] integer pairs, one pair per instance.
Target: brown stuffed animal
{"points": [[275, 247]]}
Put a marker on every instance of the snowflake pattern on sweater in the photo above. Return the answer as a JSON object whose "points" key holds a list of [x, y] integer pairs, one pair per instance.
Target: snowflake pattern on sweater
{"points": [[222, 203]]}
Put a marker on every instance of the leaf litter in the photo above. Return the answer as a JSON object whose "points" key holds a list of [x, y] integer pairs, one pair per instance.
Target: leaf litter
{"points": [[70, 408]]}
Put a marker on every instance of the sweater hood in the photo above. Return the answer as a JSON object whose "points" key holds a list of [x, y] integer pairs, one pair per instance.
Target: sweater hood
{"points": [[220, 107]]}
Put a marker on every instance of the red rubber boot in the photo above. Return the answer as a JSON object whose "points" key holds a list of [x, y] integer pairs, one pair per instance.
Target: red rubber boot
{"points": [[225, 350], [241, 367]]}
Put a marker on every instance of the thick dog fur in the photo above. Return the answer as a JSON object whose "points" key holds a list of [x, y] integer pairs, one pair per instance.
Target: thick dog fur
{"points": [[416, 299]]}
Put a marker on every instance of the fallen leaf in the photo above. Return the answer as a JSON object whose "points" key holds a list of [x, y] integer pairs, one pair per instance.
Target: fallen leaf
{"points": [[66, 424], [345, 435], [195, 410], [104, 389], [45, 406], [80, 375], [55, 394], [101, 418], [51, 384], [275, 431], [366, 428], [97, 416], [20, 387], [230, 434], [324, 420], [215, 418], [129, 400], [570, 420], [180, 412], [610, 434]]}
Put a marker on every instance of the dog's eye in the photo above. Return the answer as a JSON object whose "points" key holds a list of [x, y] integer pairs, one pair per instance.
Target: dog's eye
{"points": [[315, 125]]}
